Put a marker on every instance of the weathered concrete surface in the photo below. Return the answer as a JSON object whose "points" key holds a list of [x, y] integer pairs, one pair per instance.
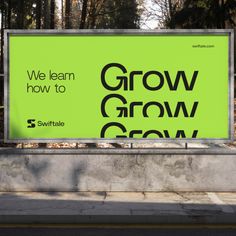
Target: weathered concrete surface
{"points": [[212, 169], [118, 207]]}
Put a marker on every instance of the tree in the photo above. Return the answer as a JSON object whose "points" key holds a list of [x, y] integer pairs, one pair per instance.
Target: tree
{"points": [[118, 14], [38, 14], [83, 14], [46, 14], [93, 12], [68, 14], [125, 17], [20, 14], [9, 14], [52, 14], [62, 14], [205, 14], [2, 30]]}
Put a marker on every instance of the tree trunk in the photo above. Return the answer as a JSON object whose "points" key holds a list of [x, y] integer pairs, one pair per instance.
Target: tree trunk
{"points": [[93, 21], [9, 14], [38, 14], [217, 12], [171, 14], [1, 56], [2, 35], [52, 14], [67, 14], [62, 14], [20, 14], [223, 12], [83, 14], [46, 15], [93, 16]]}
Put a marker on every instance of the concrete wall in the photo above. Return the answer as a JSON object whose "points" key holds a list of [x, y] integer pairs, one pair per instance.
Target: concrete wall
{"points": [[118, 170]]}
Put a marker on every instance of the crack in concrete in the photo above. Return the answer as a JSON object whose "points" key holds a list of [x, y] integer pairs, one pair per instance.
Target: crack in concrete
{"points": [[86, 209], [104, 197], [182, 196], [144, 196]]}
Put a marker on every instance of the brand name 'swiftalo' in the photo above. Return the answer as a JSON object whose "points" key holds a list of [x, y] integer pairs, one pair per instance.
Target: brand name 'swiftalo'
{"points": [[126, 82]]}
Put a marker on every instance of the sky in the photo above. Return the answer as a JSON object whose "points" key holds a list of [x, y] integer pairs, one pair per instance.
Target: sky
{"points": [[149, 23]]}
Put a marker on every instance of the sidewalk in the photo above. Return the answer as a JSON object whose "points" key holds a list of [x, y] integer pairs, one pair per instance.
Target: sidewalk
{"points": [[118, 207]]}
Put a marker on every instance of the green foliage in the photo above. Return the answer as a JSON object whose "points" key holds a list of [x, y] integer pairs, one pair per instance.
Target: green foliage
{"points": [[112, 14], [120, 14], [205, 14]]}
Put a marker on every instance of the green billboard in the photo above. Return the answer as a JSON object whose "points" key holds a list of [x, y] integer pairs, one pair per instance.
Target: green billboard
{"points": [[119, 85]]}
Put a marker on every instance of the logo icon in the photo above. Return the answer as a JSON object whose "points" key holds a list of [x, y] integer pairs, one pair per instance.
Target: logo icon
{"points": [[31, 123]]}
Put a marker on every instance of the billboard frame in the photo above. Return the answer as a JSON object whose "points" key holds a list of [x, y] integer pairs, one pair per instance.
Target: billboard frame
{"points": [[226, 32]]}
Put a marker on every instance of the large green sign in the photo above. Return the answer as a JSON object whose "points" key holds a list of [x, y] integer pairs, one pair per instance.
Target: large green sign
{"points": [[109, 84]]}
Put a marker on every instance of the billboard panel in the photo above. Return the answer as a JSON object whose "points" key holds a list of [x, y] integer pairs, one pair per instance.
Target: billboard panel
{"points": [[126, 85]]}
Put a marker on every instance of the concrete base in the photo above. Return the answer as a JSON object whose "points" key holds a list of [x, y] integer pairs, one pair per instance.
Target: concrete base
{"points": [[212, 169]]}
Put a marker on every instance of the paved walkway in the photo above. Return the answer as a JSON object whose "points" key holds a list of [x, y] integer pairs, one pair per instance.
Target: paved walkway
{"points": [[118, 207]]}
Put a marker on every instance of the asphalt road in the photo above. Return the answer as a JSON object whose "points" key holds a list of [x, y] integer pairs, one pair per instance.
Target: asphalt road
{"points": [[75, 231]]}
